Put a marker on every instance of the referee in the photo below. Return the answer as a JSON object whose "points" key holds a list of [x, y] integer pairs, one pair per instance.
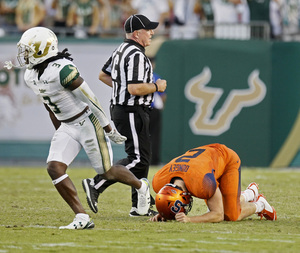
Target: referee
{"points": [[129, 72]]}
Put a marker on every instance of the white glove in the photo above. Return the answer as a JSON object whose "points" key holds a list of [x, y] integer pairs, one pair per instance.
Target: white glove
{"points": [[116, 137], [8, 65]]}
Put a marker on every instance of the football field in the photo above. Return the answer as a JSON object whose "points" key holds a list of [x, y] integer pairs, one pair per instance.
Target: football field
{"points": [[32, 210]]}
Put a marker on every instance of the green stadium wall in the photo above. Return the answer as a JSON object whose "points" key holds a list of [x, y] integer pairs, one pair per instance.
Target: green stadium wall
{"points": [[264, 133]]}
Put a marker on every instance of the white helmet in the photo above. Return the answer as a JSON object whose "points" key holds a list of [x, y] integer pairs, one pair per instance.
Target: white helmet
{"points": [[36, 45]]}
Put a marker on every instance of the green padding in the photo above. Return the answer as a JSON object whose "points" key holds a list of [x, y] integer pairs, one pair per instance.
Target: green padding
{"points": [[18, 151], [257, 132]]}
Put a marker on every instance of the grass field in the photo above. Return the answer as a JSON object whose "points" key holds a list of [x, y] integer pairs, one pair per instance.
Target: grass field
{"points": [[31, 212]]}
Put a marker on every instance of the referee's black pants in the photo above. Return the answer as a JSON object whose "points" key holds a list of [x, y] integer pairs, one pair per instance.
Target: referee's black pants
{"points": [[134, 123]]}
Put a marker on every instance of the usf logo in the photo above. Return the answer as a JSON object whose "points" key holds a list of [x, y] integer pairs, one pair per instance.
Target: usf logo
{"points": [[206, 98], [38, 53]]}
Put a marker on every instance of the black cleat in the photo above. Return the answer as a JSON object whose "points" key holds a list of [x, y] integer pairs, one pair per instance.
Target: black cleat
{"points": [[91, 194], [134, 213]]}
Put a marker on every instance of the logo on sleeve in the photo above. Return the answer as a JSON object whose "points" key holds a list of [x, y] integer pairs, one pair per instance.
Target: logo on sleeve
{"points": [[68, 74]]}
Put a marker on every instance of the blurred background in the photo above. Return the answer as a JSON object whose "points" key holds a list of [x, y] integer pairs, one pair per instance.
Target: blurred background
{"points": [[231, 68]]}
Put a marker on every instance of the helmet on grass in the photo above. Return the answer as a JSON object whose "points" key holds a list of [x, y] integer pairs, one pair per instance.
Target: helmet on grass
{"points": [[171, 199]]}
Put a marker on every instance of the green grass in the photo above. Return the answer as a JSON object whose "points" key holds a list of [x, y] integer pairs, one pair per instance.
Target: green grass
{"points": [[31, 211]]}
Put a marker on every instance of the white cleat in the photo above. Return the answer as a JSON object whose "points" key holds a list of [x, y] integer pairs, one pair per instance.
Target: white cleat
{"points": [[269, 212], [79, 223], [144, 201]]}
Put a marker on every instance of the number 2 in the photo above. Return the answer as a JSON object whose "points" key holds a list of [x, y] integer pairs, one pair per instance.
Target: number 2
{"points": [[187, 158]]}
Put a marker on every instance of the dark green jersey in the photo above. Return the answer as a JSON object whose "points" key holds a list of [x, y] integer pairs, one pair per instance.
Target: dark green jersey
{"points": [[259, 10]]}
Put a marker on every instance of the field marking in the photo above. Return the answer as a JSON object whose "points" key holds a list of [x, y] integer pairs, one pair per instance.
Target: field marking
{"points": [[119, 245], [201, 241], [29, 226], [137, 230], [257, 240]]}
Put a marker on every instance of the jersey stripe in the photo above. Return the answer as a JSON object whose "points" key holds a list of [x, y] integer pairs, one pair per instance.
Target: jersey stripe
{"points": [[136, 143], [101, 142]]}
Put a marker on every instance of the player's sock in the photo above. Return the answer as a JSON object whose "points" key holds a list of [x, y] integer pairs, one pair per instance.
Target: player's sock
{"points": [[248, 195], [143, 188], [83, 216]]}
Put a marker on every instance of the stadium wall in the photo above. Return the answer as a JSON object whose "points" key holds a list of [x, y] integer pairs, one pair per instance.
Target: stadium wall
{"points": [[244, 94], [25, 127]]}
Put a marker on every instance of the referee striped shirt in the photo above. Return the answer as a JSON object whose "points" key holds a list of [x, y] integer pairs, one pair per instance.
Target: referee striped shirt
{"points": [[129, 64]]}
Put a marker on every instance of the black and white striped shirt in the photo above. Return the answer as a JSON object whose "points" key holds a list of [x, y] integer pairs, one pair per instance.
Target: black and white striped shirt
{"points": [[129, 64]]}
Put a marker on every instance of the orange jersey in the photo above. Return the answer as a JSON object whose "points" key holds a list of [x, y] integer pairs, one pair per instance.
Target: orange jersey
{"points": [[203, 169]]}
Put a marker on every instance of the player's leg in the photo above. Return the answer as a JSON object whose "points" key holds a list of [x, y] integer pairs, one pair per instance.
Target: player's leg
{"points": [[230, 186], [64, 185], [262, 207], [251, 193], [98, 149], [63, 150], [120, 174], [247, 199], [237, 207], [247, 209]]}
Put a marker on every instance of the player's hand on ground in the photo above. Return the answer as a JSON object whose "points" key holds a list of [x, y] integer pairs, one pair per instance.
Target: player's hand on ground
{"points": [[116, 137], [181, 217], [157, 217]]}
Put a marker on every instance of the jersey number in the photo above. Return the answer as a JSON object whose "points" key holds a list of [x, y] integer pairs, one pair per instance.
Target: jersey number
{"points": [[114, 72], [187, 158], [53, 106]]}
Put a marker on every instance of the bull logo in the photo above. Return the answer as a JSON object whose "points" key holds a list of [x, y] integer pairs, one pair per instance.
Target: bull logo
{"points": [[38, 53], [207, 97]]}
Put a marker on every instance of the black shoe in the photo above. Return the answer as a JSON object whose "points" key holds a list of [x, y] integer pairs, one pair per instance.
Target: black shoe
{"points": [[91, 194], [152, 203], [134, 213]]}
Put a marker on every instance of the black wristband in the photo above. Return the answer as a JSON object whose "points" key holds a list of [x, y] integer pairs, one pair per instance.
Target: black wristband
{"points": [[156, 86]]}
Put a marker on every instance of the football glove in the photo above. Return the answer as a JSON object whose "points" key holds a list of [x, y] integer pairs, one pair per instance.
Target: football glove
{"points": [[8, 65], [116, 137]]}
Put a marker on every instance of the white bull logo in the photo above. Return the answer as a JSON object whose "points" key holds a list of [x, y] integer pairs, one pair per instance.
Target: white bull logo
{"points": [[207, 97]]}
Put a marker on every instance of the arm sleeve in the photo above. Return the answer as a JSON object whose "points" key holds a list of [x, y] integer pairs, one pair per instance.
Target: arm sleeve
{"points": [[107, 67], [84, 93]]}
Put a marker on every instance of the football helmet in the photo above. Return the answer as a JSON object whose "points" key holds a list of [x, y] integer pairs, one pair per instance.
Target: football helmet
{"points": [[171, 199], [36, 45]]}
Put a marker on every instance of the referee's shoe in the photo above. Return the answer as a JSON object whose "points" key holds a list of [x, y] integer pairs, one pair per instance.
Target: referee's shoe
{"points": [[91, 193], [134, 213]]}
